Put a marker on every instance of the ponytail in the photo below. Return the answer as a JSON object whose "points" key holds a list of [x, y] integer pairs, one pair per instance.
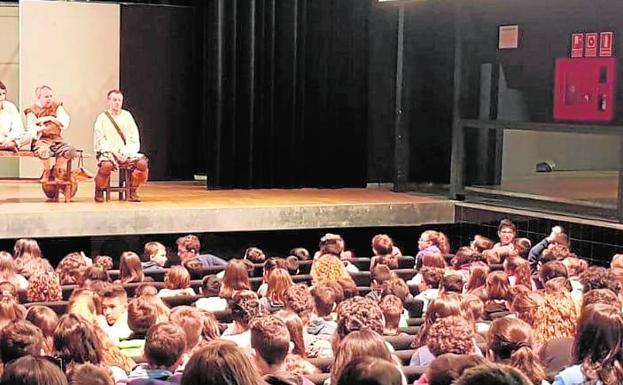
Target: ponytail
{"points": [[526, 360]]}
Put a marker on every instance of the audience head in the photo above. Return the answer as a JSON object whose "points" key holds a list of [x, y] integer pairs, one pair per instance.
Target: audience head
{"points": [[382, 244], [596, 277], [71, 268], [220, 363], [428, 238], [33, 370], [94, 273], [392, 309], [188, 247], [255, 255], [26, 248], [328, 267], [510, 341], [556, 317], [446, 368], [370, 371], [498, 286], [236, 278], [114, 302], [10, 309], [270, 339], [493, 374], [191, 321], [45, 319], [210, 286], [324, 300], [278, 284], [44, 287], [165, 344], [603, 296], [432, 276], [89, 374], [397, 287], [300, 301], [146, 311], [452, 334], [156, 253], [145, 288], [75, 341], [244, 305], [552, 269], [472, 307], [358, 313], [526, 305], [177, 278], [507, 231], [21, 338], [104, 261], [130, 268], [360, 343], [301, 253], [452, 282], [598, 345], [481, 243]]}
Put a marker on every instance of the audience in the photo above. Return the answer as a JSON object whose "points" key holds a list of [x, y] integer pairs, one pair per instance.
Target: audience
{"points": [[548, 314]]}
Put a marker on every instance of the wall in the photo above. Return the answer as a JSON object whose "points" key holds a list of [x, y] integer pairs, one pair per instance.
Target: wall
{"points": [[74, 48], [9, 69]]}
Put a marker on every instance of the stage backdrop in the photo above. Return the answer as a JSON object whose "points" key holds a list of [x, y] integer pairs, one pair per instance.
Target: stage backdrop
{"points": [[9, 69]]}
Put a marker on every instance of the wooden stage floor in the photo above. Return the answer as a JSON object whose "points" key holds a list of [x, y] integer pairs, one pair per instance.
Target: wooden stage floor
{"points": [[183, 207]]}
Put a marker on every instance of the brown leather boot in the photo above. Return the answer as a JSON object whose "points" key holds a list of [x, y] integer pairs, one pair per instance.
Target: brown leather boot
{"points": [[133, 196], [11, 146], [99, 195]]}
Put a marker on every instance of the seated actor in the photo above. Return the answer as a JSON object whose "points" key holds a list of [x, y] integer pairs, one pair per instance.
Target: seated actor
{"points": [[117, 143], [12, 134], [45, 121]]}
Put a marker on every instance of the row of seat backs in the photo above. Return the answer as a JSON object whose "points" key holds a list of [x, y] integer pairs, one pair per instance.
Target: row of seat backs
{"points": [[363, 264]]}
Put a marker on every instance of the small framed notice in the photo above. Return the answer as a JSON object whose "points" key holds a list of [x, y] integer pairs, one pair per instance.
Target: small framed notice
{"points": [[509, 37]]}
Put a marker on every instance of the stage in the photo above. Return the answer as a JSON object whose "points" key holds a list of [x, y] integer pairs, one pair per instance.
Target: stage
{"points": [[187, 207]]}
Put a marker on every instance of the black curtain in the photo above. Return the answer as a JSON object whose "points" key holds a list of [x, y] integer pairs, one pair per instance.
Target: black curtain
{"points": [[160, 77], [286, 92]]}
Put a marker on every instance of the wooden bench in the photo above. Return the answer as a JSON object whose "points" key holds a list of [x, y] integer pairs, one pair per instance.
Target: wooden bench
{"points": [[65, 183]]}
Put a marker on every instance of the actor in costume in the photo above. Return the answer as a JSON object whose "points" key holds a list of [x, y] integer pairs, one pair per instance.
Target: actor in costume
{"points": [[117, 143], [13, 137], [45, 121]]}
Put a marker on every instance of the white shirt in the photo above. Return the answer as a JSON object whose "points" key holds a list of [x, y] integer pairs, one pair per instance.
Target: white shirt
{"points": [[34, 130], [107, 139], [11, 126]]}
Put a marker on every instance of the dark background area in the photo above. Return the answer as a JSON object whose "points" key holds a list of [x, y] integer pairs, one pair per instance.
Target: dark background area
{"points": [[301, 93]]}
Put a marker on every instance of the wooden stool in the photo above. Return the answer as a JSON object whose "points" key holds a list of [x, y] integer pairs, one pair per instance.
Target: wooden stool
{"points": [[123, 187]]}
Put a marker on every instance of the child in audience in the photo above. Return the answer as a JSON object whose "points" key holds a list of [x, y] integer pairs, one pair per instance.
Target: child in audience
{"points": [[210, 289], [104, 261], [270, 340], [245, 305], [165, 345], [452, 334], [443, 306], [254, 255], [278, 284], [130, 268], [597, 352], [191, 321], [322, 324], [370, 370], [219, 360], [357, 313], [476, 284], [498, 293], [188, 247], [45, 319], [44, 287], [8, 272], [270, 265], [176, 282], [481, 243], [358, 343], [33, 370], [236, 278], [300, 301], [392, 309], [474, 309], [507, 232], [444, 244], [518, 271], [380, 274], [20, 338], [143, 312], [89, 374], [328, 267], [115, 309], [427, 244], [384, 252], [29, 259], [71, 268], [509, 341], [452, 282], [10, 309], [432, 277], [156, 255]]}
